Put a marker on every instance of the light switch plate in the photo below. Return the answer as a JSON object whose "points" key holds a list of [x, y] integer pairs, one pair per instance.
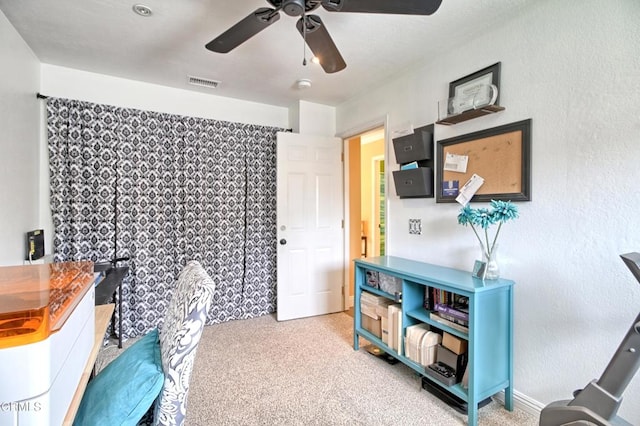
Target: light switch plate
{"points": [[415, 226]]}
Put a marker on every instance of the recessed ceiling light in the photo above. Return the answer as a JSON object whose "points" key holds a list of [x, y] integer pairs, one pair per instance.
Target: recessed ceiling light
{"points": [[142, 10]]}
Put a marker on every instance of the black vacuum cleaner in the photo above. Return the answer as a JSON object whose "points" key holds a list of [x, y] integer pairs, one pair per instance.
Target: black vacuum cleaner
{"points": [[598, 402]]}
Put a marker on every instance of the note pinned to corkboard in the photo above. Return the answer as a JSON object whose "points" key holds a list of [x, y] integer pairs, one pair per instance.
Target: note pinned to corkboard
{"points": [[500, 155]]}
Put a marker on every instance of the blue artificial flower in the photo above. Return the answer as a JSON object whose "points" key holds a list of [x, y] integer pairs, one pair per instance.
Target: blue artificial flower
{"points": [[465, 216], [504, 210], [483, 218]]}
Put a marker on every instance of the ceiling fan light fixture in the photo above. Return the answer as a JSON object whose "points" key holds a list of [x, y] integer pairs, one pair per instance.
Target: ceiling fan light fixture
{"points": [[303, 83], [315, 60], [142, 10]]}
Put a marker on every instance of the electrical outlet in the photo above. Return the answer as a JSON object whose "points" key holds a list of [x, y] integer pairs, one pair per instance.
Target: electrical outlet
{"points": [[415, 226]]}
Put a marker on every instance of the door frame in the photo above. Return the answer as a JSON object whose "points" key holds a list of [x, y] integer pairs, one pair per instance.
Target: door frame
{"points": [[345, 136]]}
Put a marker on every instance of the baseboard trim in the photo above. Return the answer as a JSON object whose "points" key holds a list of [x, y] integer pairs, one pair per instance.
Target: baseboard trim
{"points": [[522, 402]]}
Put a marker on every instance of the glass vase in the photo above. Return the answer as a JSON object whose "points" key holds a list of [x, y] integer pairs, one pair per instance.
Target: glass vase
{"points": [[492, 268]]}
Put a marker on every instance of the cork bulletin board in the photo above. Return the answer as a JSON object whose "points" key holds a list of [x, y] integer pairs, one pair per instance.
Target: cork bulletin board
{"points": [[500, 155]]}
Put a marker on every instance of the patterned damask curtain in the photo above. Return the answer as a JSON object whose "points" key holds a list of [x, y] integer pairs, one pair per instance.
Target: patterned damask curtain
{"points": [[165, 189]]}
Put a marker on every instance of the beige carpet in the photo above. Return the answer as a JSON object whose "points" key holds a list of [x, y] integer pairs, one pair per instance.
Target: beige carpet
{"points": [[305, 372]]}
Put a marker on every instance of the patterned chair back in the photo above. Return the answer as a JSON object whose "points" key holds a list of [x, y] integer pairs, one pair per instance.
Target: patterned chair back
{"points": [[179, 338]]}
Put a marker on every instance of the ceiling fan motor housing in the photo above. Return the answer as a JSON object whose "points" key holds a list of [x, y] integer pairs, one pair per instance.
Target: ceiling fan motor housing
{"points": [[294, 7]]}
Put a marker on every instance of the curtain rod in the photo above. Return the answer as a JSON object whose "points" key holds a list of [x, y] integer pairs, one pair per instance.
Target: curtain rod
{"points": [[41, 96]]}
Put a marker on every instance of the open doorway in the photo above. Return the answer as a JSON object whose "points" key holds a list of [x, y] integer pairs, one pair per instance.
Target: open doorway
{"points": [[366, 198], [378, 206]]}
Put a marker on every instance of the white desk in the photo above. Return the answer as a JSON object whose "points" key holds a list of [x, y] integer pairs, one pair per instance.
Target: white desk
{"points": [[103, 316]]}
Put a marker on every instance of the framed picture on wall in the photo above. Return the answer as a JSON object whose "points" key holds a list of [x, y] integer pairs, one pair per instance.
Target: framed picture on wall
{"points": [[479, 87]]}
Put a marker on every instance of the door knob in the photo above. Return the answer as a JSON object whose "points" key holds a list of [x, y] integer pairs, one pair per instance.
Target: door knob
{"points": [[283, 241]]}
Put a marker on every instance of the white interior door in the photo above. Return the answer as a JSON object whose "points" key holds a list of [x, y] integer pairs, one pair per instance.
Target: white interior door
{"points": [[310, 233]]}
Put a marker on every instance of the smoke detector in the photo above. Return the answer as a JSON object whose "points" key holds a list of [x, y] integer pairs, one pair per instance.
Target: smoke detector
{"points": [[303, 83]]}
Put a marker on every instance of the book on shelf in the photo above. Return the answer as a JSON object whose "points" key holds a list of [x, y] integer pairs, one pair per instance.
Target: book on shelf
{"points": [[457, 312], [436, 317], [428, 301], [454, 319], [434, 296], [395, 327]]}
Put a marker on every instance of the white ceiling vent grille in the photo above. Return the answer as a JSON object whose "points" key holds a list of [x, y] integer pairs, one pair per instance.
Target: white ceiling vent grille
{"points": [[204, 82]]}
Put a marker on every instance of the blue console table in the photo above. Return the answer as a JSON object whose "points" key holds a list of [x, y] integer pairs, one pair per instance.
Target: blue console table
{"points": [[490, 331]]}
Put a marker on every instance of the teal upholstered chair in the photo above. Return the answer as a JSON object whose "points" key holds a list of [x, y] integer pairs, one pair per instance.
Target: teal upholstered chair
{"points": [[157, 367]]}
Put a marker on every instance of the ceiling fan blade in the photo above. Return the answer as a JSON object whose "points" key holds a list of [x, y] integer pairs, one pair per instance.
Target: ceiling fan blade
{"points": [[243, 30], [321, 44], [398, 7]]}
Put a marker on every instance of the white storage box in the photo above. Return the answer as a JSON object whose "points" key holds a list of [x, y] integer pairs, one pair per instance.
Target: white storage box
{"points": [[369, 310], [373, 326]]}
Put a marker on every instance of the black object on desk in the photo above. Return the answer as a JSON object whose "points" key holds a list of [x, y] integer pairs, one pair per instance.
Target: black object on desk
{"points": [[106, 293]]}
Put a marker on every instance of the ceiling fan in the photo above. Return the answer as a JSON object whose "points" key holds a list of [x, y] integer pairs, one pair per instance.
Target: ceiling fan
{"points": [[311, 27]]}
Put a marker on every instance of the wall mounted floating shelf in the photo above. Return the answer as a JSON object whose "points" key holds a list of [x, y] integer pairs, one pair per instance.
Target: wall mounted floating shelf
{"points": [[470, 114]]}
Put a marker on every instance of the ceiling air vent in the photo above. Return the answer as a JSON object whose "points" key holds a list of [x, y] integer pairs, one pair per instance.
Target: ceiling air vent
{"points": [[204, 82]]}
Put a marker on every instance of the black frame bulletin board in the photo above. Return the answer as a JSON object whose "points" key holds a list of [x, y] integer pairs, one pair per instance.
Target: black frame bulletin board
{"points": [[500, 155]]}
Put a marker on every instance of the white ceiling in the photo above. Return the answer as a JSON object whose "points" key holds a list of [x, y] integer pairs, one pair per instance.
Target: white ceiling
{"points": [[107, 37]]}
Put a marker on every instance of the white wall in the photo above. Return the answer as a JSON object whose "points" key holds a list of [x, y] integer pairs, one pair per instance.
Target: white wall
{"points": [[316, 119], [573, 67], [75, 84], [309, 118], [19, 142]]}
